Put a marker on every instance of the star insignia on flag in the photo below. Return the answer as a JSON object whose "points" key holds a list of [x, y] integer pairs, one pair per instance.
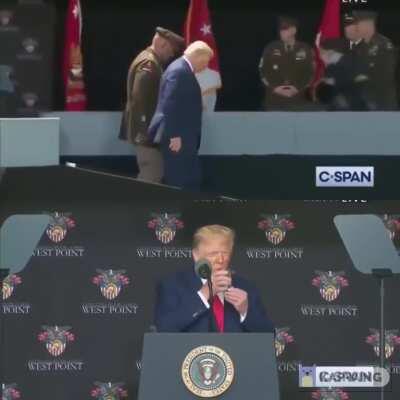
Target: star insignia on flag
{"points": [[206, 29]]}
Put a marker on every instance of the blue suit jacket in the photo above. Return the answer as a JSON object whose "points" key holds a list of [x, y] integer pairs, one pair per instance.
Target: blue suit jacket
{"points": [[179, 308], [179, 108]]}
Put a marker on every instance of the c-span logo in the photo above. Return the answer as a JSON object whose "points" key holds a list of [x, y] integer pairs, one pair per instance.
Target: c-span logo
{"points": [[208, 371], [345, 177]]}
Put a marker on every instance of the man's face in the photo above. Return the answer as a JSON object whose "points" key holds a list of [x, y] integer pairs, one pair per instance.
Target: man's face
{"points": [[288, 34], [216, 249], [200, 63], [351, 32], [366, 28], [167, 51]]}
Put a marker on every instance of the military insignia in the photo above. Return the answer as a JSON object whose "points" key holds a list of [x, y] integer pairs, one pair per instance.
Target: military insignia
{"points": [[165, 226], [208, 371], [59, 225], [109, 391], [301, 55], [10, 392], [5, 17], [330, 284], [330, 394], [111, 282], [392, 340], [56, 338], [392, 224], [30, 45], [147, 66], [282, 338], [275, 227], [373, 50], [277, 53], [30, 99], [389, 45], [9, 284]]}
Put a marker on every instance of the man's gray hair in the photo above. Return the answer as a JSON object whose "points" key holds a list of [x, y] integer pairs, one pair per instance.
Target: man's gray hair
{"points": [[199, 48]]}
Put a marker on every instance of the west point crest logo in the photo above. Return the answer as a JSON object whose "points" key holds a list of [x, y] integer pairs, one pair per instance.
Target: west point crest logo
{"points": [[275, 227], [111, 282], [10, 392], [330, 284], [9, 284], [30, 99], [59, 225], [392, 340], [30, 45], [392, 224], [165, 226], [330, 394], [282, 338], [109, 391], [56, 338]]}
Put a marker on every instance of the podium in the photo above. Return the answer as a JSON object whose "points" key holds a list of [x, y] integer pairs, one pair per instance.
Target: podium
{"points": [[228, 366]]}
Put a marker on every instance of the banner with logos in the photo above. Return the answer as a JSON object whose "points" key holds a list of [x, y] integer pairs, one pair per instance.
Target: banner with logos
{"points": [[74, 318], [27, 57]]}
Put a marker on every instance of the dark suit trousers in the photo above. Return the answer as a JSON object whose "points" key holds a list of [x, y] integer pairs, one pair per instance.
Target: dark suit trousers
{"points": [[182, 169]]}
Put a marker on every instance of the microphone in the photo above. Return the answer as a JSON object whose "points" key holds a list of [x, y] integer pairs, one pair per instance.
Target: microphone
{"points": [[203, 269]]}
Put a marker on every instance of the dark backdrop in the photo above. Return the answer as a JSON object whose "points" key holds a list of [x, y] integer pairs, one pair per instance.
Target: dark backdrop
{"points": [[115, 31]]}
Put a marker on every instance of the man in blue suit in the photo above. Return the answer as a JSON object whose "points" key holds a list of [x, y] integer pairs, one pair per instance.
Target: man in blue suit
{"points": [[176, 124], [183, 300]]}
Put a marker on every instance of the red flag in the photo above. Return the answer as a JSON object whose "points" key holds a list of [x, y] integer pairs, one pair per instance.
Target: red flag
{"points": [[75, 93], [198, 27], [329, 29]]}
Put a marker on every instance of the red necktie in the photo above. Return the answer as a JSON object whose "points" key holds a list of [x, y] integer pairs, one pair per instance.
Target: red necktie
{"points": [[218, 310]]}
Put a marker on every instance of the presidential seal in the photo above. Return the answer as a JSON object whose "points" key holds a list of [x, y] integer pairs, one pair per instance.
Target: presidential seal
{"points": [[208, 371]]}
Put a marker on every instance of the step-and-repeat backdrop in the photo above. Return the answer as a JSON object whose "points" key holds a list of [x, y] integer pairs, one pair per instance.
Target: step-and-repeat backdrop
{"points": [[74, 318], [27, 58]]}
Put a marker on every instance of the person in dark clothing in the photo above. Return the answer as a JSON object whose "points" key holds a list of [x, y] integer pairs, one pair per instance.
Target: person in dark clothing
{"points": [[343, 86]]}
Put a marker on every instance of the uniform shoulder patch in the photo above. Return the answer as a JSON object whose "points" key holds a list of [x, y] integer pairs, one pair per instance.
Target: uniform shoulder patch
{"points": [[389, 45], [146, 66]]}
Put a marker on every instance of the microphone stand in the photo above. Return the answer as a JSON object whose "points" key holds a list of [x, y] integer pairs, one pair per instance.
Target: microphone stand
{"points": [[211, 323]]}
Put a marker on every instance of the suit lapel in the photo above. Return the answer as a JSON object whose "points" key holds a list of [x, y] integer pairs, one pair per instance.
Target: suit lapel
{"points": [[231, 318]]}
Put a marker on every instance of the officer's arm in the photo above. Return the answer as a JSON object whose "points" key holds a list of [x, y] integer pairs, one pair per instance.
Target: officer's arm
{"points": [[262, 67], [387, 60], [144, 96], [307, 74], [176, 310]]}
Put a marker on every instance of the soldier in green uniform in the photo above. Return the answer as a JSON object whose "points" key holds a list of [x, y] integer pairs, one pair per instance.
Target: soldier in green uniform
{"points": [[379, 53], [287, 69], [142, 94], [352, 36]]}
